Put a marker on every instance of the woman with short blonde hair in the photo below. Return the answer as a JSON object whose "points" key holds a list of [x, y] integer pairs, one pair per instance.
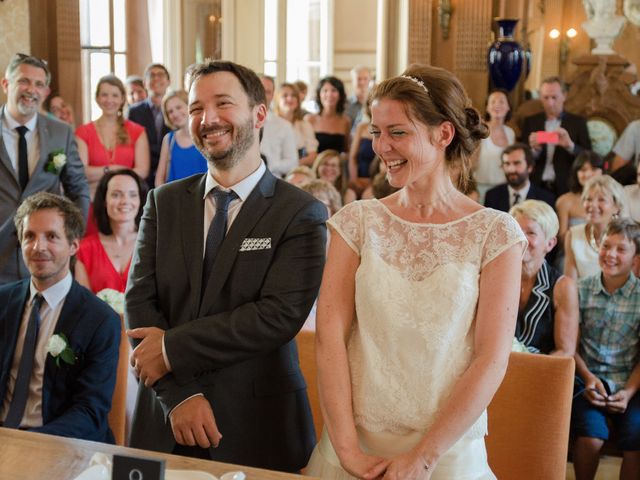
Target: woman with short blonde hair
{"points": [[548, 309]]}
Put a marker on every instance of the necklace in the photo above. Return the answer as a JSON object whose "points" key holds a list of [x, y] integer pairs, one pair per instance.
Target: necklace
{"points": [[592, 238], [437, 201]]}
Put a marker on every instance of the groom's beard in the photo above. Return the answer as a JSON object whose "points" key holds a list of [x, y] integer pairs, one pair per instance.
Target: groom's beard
{"points": [[230, 157]]}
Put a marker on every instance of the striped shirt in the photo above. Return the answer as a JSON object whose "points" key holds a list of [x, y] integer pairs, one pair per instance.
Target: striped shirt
{"points": [[610, 329]]}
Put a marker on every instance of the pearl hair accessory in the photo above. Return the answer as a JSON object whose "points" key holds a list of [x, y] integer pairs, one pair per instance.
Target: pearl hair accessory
{"points": [[417, 81]]}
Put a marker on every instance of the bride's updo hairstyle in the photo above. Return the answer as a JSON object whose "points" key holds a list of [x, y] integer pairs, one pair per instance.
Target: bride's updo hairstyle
{"points": [[434, 95]]}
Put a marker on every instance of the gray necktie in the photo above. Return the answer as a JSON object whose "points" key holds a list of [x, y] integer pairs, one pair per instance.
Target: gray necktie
{"points": [[216, 233], [21, 389]]}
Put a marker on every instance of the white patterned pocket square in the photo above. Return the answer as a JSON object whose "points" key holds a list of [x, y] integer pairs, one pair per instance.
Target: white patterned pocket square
{"points": [[252, 244]]}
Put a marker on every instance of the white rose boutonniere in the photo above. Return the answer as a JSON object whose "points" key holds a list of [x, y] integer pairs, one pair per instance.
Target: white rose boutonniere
{"points": [[113, 298], [58, 347], [57, 162]]}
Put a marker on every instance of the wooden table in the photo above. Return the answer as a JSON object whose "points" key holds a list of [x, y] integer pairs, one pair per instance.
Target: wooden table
{"points": [[35, 456]]}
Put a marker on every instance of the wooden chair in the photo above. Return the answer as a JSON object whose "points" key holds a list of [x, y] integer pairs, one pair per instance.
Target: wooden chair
{"points": [[529, 418], [307, 353], [118, 413]]}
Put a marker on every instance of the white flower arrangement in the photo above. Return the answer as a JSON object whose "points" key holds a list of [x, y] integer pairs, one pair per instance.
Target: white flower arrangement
{"points": [[58, 347], [113, 298], [57, 161]]}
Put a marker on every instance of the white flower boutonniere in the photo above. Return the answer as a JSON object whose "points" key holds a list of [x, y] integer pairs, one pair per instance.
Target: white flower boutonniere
{"points": [[113, 298], [57, 161], [58, 347]]}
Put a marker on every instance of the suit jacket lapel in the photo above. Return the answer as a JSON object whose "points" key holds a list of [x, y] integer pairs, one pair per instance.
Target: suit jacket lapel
{"points": [[152, 122], [252, 210], [192, 215], [9, 331], [506, 199], [4, 154], [67, 322], [44, 137]]}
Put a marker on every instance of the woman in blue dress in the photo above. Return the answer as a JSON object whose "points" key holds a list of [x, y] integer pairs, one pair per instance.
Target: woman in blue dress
{"points": [[179, 157]]}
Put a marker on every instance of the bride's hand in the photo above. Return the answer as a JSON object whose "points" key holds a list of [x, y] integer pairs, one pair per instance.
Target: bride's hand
{"points": [[407, 465], [362, 465]]}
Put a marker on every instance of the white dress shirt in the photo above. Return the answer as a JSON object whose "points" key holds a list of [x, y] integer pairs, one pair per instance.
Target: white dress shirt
{"points": [[49, 314], [278, 144], [549, 173], [523, 192], [11, 138], [242, 189]]}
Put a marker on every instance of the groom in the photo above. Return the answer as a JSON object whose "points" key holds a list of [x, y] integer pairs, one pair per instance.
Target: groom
{"points": [[225, 271]]}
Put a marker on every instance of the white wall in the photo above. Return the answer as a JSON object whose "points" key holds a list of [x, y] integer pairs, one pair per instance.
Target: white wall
{"points": [[354, 36]]}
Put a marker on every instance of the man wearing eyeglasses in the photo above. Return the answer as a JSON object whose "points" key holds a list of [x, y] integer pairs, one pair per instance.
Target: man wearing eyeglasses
{"points": [[37, 154]]}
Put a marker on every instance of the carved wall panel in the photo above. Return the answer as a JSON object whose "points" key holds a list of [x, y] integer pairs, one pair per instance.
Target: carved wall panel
{"points": [[473, 35], [420, 29]]}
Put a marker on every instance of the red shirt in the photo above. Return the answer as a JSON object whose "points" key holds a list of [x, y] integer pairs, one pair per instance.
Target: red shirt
{"points": [[100, 270]]}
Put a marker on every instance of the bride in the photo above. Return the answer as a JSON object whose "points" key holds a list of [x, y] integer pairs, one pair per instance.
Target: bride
{"points": [[419, 299]]}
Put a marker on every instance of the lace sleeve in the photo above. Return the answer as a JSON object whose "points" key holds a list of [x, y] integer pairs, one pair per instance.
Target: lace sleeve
{"points": [[504, 233], [347, 222]]}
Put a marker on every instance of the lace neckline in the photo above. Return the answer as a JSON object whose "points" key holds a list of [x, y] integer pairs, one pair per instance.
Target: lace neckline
{"points": [[427, 224]]}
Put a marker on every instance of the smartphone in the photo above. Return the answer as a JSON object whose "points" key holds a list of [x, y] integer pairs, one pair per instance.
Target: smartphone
{"points": [[551, 138]]}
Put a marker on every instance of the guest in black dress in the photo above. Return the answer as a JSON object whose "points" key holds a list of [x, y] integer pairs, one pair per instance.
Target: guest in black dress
{"points": [[331, 125]]}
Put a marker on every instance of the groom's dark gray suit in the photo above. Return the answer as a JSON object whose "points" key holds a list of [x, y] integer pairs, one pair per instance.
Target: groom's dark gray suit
{"points": [[53, 136], [235, 345]]}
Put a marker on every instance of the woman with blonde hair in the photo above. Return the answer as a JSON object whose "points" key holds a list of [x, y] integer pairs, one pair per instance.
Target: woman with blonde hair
{"points": [[326, 193], [418, 301], [329, 166], [603, 199], [111, 142], [287, 106], [179, 157], [548, 311], [300, 175]]}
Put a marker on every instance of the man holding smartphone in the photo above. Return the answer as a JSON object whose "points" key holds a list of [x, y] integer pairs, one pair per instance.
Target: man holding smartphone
{"points": [[556, 137]]}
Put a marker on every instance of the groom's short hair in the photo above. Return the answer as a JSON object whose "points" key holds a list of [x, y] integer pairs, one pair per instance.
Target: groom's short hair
{"points": [[249, 80]]}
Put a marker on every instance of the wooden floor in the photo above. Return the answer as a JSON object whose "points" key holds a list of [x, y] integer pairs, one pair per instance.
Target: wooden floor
{"points": [[609, 469]]}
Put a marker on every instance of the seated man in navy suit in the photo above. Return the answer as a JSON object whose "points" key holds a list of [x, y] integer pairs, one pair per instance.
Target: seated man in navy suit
{"points": [[58, 342], [517, 164]]}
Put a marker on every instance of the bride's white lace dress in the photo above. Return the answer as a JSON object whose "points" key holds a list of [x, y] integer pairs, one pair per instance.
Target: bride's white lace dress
{"points": [[416, 295]]}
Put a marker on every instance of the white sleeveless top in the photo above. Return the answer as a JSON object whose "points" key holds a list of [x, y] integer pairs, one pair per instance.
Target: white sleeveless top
{"points": [[489, 168], [417, 290], [585, 256]]}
